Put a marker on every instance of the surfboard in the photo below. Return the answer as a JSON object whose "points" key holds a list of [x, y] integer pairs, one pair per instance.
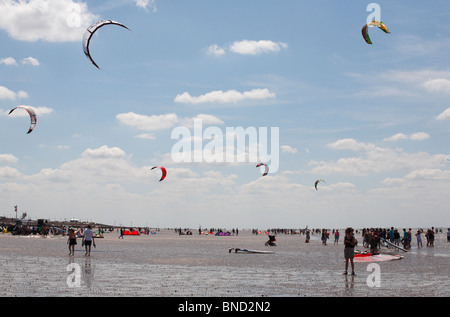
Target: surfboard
{"points": [[391, 244], [236, 250]]}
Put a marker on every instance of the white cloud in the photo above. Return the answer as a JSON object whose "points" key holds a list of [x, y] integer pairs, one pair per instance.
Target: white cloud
{"points": [[30, 61], [9, 61], [162, 122], [46, 20], [444, 115], [371, 159], [7, 172], [6, 93], [215, 50], [230, 96], [146, 136], [247, 47], [288, 149], [8, 159], [144, 4], [148, 123], [104, 152], [425, 174], [437, 85], [350, 144], [419, 136]]}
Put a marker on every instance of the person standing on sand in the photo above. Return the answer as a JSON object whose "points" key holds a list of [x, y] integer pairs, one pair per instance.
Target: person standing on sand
{"points": [[88, 239], [349, 250], [336, 237], [72, 241], [419, 238]]}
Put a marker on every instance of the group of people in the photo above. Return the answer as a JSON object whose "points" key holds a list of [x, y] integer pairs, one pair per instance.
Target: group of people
{"points": [[372, 237]]}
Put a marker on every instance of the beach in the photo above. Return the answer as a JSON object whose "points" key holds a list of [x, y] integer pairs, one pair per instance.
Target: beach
{"points": [[166, 264]]}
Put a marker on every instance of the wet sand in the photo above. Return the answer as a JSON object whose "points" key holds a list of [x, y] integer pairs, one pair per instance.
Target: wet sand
{"points": [[169, 265]]}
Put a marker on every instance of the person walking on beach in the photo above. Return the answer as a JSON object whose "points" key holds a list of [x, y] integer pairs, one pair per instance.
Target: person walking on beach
{"points": [[88, 239], [349, 250], [121, 233], [448, 234], [72, 241]]}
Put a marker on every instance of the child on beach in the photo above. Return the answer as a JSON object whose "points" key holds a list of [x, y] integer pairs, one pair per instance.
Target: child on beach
{"points": [[72, 241]]}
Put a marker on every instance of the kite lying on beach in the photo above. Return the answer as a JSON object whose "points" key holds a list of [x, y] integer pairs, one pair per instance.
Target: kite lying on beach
{"points": [[32, 114], [365, 30], [90, 31]]}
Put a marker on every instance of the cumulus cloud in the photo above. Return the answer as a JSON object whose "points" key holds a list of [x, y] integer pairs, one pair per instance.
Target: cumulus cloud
{"points": [[104, 152], [372, 159], [230, 96], [147, 123], [424, 174], [215, 50], [288, 149], [30, 61], [162, 122], [437, 85], [146, 4], [6, 93], [9, 61], [8, 159], [419, 136], [46, 20], [247, 47], [444, 115]]}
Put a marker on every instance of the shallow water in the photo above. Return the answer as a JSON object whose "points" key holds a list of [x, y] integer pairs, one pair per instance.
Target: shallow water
{"points": [[167, 264]]}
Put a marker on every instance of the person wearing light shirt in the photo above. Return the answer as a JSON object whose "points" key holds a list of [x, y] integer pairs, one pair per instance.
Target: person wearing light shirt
{"points": [[88, 239]]}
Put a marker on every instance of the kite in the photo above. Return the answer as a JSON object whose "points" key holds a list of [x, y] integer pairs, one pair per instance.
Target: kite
{"points": [[164, 172], [32, 114], [365, 30], [317, 182], [266, 171], [90, 31]]}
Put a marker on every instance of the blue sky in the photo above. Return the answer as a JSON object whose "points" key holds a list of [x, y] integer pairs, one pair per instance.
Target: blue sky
{"points": [[371, 120]]}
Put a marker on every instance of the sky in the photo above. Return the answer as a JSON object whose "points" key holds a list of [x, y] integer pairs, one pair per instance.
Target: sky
{"points": [[372, 121]]}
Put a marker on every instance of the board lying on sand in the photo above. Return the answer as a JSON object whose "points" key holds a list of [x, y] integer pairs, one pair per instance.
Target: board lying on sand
{"points": [[376, 257], [393, 245], [236, 250]]}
